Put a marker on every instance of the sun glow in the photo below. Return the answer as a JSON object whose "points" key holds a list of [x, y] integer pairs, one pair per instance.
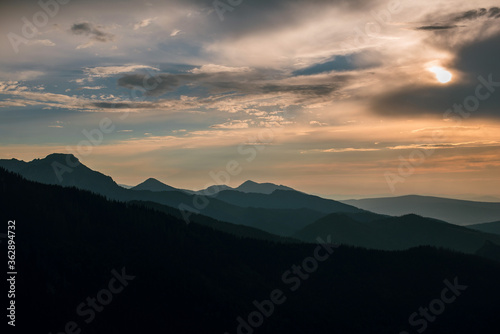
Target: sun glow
{"points": [[442, 75]]}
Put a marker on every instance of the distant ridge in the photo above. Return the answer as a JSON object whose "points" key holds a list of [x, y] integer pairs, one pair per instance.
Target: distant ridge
{"points": [[459, 212], [396, 233], [260, 188], [246, 187], [493, 227]]}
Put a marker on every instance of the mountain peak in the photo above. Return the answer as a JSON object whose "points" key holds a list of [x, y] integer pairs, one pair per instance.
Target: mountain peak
{"points": [[248, 183], [153, 184], [153, 180], [61, 157]]}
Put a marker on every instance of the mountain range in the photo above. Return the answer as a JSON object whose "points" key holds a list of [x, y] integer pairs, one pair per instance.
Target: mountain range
{"points": [[274, 212], [286, 216]]}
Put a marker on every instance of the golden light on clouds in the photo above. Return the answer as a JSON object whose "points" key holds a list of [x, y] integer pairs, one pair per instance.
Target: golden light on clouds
{"points": [[442, 75]]}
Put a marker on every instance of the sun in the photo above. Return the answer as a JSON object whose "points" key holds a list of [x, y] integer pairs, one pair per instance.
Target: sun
{"points": [[442, 75]]}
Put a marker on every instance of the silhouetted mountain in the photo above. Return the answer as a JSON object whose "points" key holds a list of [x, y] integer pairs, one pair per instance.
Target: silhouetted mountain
{"points": [[489, 250], [396, 233], [450, 210], [212, 190], [260, 188], [284, 199], [64, 170], [245, 187], [153, 185], [282, 222], [493, 227], [184, 279]]}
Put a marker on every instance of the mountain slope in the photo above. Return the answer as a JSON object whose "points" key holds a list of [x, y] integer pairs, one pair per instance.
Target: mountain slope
{"points": [[65, 170], [237, 230], [284, 199], [454, 211], [396, 233], [493, 227], [489, 250]]}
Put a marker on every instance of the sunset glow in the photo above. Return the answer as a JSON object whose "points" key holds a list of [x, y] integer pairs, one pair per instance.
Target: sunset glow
{"points": [[346, 90]]}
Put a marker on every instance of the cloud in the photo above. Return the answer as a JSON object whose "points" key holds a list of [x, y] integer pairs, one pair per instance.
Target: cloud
{"points": [[475, 60], [449, 21], [317, 123], [446, 128], [28, 75], [236, 124], [45, 42], [152, 85], [174, 32], [436, 27], [341, 150], [214, 84], [306, 89], [212, 68], [340, 63], [91, 87], [433, 146], [107, 71], [493, 12], [144, 23], [95, 34]]}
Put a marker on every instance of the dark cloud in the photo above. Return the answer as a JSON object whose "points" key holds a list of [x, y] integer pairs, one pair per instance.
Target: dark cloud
{"points": [[356, 61], [477, 13], [88, 29], [113, 105], [494, 12], [478, 59], [311, 90], [436, 27], [252, 82], [265, 15], [163, 83], [471, 15], [449, 22], [153, 85]]}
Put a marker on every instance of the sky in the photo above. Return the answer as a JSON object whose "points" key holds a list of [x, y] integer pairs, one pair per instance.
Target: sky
{"points": [[354, 98]]}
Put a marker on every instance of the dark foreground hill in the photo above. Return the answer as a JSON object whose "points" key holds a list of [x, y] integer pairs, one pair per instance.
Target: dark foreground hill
{"points": [[85, 263]]}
